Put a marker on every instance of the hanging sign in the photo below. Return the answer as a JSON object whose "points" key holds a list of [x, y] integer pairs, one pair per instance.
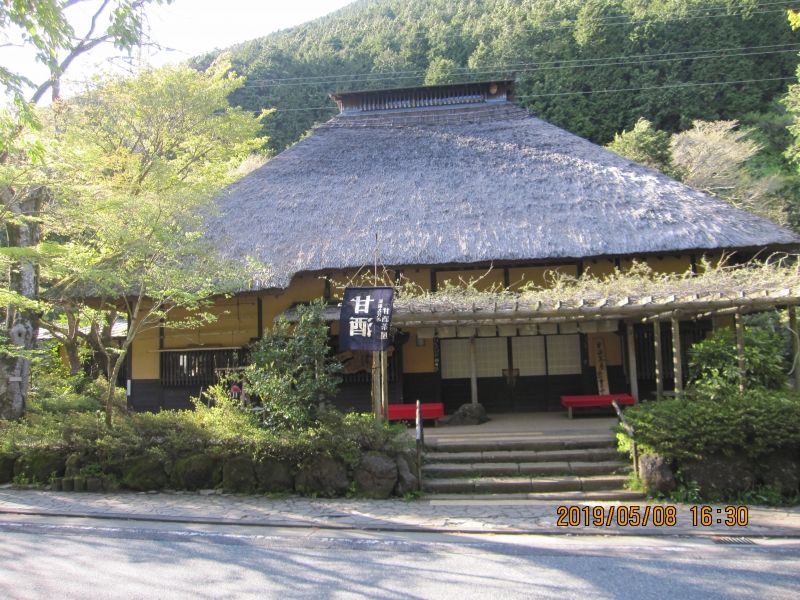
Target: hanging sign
{"points": [[601, 366], [365, 319]]}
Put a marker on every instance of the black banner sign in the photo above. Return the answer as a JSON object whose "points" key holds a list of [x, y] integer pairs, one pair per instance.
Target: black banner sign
{"points": [[365, 319]]}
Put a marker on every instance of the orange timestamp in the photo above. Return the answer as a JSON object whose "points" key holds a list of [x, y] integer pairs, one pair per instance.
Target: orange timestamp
{"points": [[657, 515]]}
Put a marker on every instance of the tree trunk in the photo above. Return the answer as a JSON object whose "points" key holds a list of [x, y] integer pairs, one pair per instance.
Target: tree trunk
{"points": [[112, 383], [100, 339], [71, 349], [22, 326]]}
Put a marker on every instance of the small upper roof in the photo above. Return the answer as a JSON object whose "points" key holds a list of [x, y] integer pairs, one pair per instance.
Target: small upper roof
{"points": [[456, 175]]}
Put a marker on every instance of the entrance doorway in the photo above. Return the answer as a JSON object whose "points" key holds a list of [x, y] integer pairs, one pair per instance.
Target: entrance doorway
{"points": [[515, 373]]}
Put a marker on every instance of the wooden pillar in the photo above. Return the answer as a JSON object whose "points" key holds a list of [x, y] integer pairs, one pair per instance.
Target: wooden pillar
{"points": [[795, 347], [740, 348], [632, 372], [473, 370], [659, 359], [384, 384], [677, 362], [377, 404]]}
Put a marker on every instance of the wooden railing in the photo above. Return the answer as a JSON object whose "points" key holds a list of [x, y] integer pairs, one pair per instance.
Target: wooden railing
{"points": [[190, 368], [631, 434]]}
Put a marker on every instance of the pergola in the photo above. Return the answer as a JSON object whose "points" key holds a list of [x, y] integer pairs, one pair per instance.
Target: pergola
{"points": [[590, 304], [586, 304]]}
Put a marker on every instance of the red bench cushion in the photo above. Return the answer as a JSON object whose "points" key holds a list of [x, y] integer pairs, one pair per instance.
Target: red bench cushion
{"points": [[408, 412], [596, 400]]}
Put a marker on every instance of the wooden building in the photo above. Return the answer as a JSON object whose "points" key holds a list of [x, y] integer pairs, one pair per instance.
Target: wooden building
{"points": [[457, 182]]}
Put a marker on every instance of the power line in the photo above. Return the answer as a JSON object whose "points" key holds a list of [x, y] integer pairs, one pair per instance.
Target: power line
{"points": [[553, 65], [656, 87], [722, 11], [601, 91], [512, 65], [619, 20]]}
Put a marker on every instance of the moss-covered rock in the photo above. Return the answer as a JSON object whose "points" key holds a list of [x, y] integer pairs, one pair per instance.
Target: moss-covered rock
{"points": [[238, 475], [144, 473], [720, 476], [7, 467], [199, 471], [72, 467], [323, 476], [274, 476], [376, 475], [781, 470], [39, 466]]}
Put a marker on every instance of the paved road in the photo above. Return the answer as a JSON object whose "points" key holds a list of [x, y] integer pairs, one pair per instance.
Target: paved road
{"points": [[430, 514], [46, 557]]}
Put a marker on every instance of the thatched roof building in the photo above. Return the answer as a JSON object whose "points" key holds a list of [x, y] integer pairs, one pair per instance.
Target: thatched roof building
{"points": [[457, 175]]}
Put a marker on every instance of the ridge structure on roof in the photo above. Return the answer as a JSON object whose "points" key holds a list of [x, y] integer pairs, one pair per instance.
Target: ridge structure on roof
{"points": [[456, 175]]}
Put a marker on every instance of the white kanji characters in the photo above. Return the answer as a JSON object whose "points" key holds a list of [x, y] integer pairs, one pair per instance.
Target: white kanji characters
{"points": [[362, 306], [361, 326]]}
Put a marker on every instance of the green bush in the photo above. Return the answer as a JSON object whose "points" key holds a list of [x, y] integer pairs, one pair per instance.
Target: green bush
{"points": [[291, 369], [714, 363], [148, 450], [755, 423]]}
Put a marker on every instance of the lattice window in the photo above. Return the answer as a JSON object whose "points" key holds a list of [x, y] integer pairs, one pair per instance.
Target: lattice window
{"points": [[563, 354], [455, 359], [492, 356], [529, 355]]}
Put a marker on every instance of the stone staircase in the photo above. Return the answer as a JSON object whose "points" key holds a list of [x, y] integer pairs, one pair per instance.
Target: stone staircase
{"points": [[577, 468]]}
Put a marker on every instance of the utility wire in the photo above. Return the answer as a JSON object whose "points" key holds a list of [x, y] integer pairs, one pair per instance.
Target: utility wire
{"points": [[309, 78], [549, 66], [616, 20], [601, 91]]}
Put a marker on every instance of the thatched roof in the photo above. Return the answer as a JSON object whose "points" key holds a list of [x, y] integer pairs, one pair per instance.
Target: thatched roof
{"points": [[458, 184]]}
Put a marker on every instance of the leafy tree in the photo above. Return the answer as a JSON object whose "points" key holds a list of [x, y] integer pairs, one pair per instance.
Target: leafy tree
{"points": [[714, 363], [564, 55], [41, 27], [645, 145], [135, 163], [291, 369], [713, 157]]}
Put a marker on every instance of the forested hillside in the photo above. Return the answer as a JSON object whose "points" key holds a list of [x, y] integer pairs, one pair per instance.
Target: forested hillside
{"points": [[593, 67]]}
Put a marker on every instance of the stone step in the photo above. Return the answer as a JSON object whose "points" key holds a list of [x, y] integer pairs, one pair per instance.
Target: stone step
{"points": [[525, 456], [499, 444], [526, 498], [523, 484], [535, 469]]}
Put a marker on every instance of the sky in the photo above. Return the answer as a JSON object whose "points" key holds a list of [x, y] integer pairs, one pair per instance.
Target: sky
{"points": [[183, 29], [192, 27]]}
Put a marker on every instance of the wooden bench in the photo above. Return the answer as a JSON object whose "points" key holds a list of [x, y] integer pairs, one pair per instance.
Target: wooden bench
{"points": [[591, 401], [408, 412]]}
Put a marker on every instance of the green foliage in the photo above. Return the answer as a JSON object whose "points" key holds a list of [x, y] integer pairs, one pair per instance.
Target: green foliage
{"points": [[291, 369], [558, 50], [133, 165], [714, 363], [145, 450], [755, 423], [645, 145]]}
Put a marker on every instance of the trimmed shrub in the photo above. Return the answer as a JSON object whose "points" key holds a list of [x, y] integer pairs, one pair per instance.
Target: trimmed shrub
{"points": [[144, 473], [39, 466], [756, 423], [199, 471]]}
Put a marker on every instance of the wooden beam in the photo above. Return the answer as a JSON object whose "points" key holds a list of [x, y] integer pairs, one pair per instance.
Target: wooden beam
{"points": [[677, 363], [659, 359], [795, 347], [473, 371], [740, 348], [632, 372], [384, 384], [377, 407]]}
